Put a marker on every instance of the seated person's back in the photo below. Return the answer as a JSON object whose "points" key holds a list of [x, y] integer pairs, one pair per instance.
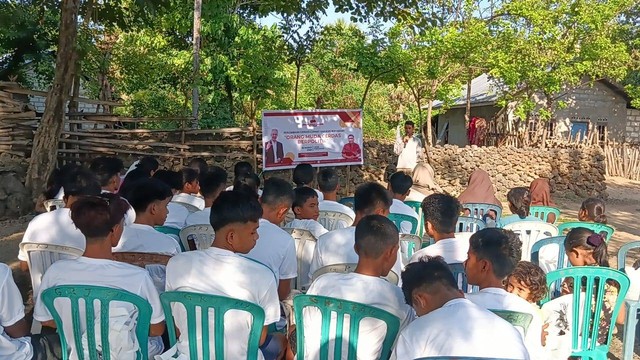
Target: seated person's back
{"points": [[14, 342], [177, 216], [212, 184], [190, 189], [519, 203], [400, 185], [329, 184], [304, 176]]}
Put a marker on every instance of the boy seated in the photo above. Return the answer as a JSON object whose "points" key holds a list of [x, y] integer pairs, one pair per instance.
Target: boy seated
{"points": [[305, 209], [212, 184], [493, 255], [177, 216], [107, 170], [190, 189], [329, 184], [101, 222], [400, 185], [440, 213], [240, 168], [14, 331], [234, 218], [303, 175], [377, 249], [447, 323]]}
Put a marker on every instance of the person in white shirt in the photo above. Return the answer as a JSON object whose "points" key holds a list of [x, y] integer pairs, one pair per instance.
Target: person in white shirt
{"points": [[493, 255], [14, 340], [408, 148], [101, 220], [107, 170], [249, 183], [200, 165], [440, 212], [211, 185], [377, 249], [277, 250], [304, 175], [234, 218], [190, 189], [447, 323], [329, 184], [336, 247], [305, 209], [56, 227], [399, 185], [244, 168], [177, 216]]}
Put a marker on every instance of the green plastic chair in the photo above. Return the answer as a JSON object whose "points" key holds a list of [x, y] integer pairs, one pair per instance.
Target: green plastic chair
{"points": [[469, 224], [104, 295], [515, 318], [398, 219], [458, 358], [631, 320], [595, 227], [461, 278], [591, 277], [542, 212], [356, 311], [347, 201], [481, 210], [168, 230], [220, 306], [417, 207]]}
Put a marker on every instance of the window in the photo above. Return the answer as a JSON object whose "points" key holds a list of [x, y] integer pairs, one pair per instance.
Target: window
{"points": [[601, 127], [579, 130]]}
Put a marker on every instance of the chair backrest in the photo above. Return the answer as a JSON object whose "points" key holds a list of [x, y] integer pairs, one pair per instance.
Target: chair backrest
{"points": [[398, 219], [587, 320], [461, 277], [603, 229], [458, 358], [553, 249], [413, 244], [515, 318], [168, 230], [41, 256], [481, 210], [347, 201], [331, 219], [197, 237], [53, 204], [542, 212], [327, 306], [623, 252], [205, 303], [530, 232], [89, 295], [305, 246], [141, 259], [469, 224], [392, 277], [417, 207], [190, 207]]}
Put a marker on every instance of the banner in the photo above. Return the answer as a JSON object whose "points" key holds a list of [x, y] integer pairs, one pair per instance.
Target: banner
{"points": [[318, 137]]}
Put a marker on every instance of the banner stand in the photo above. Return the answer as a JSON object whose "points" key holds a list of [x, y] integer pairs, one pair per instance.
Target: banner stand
{"points": [[348, 179]]}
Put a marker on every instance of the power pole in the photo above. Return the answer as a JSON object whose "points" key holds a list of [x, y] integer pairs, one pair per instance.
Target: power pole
{"points": [[195, 97]]}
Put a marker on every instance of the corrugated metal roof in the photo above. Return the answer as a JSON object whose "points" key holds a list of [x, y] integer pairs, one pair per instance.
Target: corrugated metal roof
{"points": [[483, 91]]}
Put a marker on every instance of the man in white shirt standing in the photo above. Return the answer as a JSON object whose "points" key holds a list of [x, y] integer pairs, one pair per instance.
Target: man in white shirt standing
{"points": [[329, 184], [493, 254], [212, 184], [14, 340], [448, 324], [400, 185], [377, 249], [408, 148], [440, 213]]}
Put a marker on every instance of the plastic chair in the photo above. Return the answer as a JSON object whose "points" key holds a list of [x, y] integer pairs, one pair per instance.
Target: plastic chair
{"points": [[190, 207], [632, 305], [327, 307], [398, 219], [515, 318], [530, 232], [89, 295], [414, 243], [193, 302], [587, 320], [458, 358], [305, 246], [168, 230], [595, 227], [53, 204], [542, 212], [332, 220], [417, 207], [481, 210], [392, 277], [461, 277], [197, 237], [347, 201], [469, 224]]}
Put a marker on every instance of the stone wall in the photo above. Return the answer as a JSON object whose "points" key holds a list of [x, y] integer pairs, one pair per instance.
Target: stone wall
{"points": [[633, 126], [14, 197]]}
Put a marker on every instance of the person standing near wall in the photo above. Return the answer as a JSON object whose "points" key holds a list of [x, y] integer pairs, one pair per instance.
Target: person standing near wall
{"points": [[408, 148]]}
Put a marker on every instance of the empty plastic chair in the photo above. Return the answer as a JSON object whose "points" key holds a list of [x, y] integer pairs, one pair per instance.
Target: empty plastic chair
{"points": [[530, 232], [542, 213], [305, 245]]}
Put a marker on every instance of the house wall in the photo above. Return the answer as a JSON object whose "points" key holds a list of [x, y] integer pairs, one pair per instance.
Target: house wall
{"points": [[455, 117], [633, 126], [39, 101]]}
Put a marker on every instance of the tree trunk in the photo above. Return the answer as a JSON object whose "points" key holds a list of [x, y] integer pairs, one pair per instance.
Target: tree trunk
{"points": [[467, 112], [228, 87], [195, 98], [429, 111], [366, 91], [295, 90], [45, 141]]}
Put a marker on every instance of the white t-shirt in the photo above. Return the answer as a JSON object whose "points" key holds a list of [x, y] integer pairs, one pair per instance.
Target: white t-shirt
{"points": [[11, 311], [398, 207], [408, 153], [56, 228], [460, 328], [328, 205], [189, 199], [320, 195], [130, 215], [336, 247], [276, 249], [313, 226], [146, 239], [177, 216], [216, 271], [199, 217], [415, 195], [230, 188], [99, 272], [500, 299], [452, 250], [368, 290]]}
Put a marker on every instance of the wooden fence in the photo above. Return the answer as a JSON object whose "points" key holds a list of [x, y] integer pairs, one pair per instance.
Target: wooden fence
{"points": [[622, 160]]}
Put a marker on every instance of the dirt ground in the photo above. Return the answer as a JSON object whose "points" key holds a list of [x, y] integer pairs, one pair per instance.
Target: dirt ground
{"points": [[622, 206]]}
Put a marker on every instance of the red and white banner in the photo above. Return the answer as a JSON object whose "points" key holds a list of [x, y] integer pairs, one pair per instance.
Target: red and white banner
{"points": [[317, 137]]}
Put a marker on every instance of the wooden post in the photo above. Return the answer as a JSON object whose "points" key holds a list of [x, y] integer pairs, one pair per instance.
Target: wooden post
{"points": [[255, 146], [182, 140], [197, 12], [346, 187]]}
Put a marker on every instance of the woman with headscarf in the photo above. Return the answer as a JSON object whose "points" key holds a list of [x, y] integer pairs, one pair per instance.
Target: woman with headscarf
{"points": [[540, 190], [480, 190], [424, 183]]}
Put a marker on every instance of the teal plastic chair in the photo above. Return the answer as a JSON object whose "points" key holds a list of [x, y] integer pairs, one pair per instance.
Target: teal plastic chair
{"points": [[469, 224], [595, 227], [481, 210], [89, 295], [168, 230], [356, 311], [562, 261], [631, 320], [515, 318], [398, 219], [591, 277], [417, 207], [458, 358], [461, 277], [542, 212], [347, 201], [220, 306]]}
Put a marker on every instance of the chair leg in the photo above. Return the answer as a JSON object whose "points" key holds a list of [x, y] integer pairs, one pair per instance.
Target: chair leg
{"points": [[36, 327], [630, 329]]}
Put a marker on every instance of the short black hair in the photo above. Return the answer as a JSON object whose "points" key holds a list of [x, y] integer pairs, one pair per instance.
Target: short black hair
{"points": [[106, 167], [199, 165], [133, 176], [81, 182], [95, 216], [169, 177], [400, 183], [442, 211], [301, 195], [424, 274], [502, 248], [409, 122], [520, 198], [249, 183], [371, 196], [212, 180], [148, 164], [374, 235], [188, 175], [303, 175], [328, 180], [234, 207], [277, 191], [242, 167], [144, 192]]}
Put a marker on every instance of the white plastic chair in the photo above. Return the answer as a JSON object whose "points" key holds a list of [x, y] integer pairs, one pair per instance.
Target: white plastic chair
{"points": [[530, 232], [201, 236], [332, 220], [392, 277], [53, 204], [191, 208], [409, 244], [305, 245], [39, 258]]}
